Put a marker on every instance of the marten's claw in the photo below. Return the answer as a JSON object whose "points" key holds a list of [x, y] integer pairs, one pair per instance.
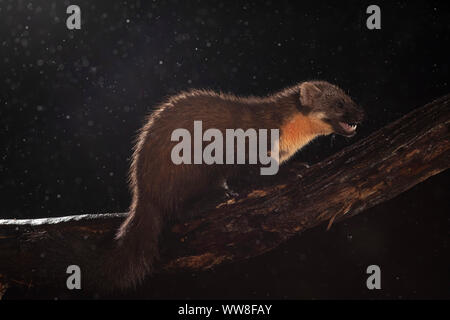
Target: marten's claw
{"points": [[228, 192], [231, 194]]}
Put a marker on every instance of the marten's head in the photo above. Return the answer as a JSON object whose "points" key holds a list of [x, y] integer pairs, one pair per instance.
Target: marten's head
{"points": [[331, 105]]}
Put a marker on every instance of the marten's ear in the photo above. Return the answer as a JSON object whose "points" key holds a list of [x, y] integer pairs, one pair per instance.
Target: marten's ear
{"points": [[308, 93]]}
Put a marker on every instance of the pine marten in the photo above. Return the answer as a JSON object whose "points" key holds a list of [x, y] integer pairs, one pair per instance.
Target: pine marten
{"points": [[160, 189]]}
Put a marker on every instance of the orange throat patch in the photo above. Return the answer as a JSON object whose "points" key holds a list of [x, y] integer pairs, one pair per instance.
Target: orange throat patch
{"points": [[299, 131]]}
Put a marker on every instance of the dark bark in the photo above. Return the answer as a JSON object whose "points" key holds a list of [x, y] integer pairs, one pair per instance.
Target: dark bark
{"points": [[373, 170]]}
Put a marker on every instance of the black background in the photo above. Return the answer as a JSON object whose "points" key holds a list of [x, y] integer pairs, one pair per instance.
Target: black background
{"points": [[72, 101]]}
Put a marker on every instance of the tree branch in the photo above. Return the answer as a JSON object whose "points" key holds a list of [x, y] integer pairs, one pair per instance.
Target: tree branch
{"points": [[373, 170]]}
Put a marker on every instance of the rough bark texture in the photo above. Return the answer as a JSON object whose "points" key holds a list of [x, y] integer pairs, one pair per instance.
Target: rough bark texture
{"points": [[375, 169]]}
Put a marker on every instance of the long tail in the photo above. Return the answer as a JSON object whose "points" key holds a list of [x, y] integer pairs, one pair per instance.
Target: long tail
{"points": [[134, 253]]}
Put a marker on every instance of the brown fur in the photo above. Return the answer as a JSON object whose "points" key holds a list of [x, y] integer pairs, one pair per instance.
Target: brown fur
{"points": [[160, 189]]}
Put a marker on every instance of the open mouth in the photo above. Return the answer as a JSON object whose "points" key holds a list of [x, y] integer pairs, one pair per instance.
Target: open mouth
{"points": [[348, 127]]}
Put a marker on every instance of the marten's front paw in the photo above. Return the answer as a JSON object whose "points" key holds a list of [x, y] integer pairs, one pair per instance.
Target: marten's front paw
{"points": [[231, 194], [228, 192]]}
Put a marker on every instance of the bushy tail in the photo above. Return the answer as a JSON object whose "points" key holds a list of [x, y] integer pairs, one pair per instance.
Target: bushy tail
{"points": [[132, 255]]}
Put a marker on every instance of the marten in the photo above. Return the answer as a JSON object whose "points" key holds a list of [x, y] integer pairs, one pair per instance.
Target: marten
{"points": [[161, 189]]}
